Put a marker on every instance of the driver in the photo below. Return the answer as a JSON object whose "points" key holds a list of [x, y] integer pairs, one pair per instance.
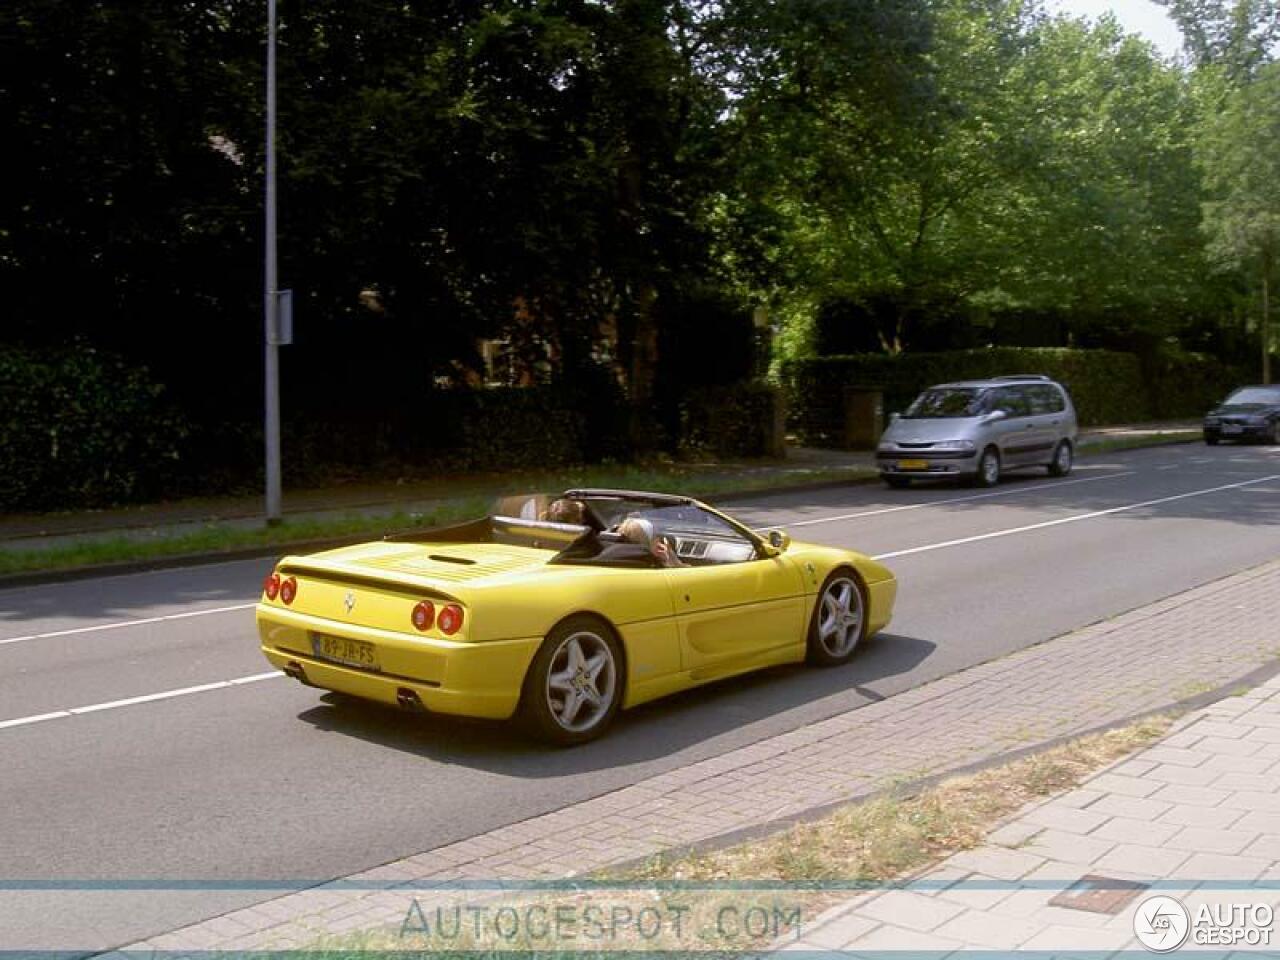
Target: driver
{"points": [[639, 530]]}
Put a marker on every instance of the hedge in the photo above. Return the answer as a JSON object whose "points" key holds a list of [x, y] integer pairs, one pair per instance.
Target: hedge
{"points": [[79, 427], [1106, 386], [736, 420]]}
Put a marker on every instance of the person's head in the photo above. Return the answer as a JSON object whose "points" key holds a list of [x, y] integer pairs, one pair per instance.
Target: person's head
{"points": [[637, 530], [567, 511]]}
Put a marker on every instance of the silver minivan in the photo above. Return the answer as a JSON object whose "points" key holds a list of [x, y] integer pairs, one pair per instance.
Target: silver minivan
{"points": [[975, 430]]}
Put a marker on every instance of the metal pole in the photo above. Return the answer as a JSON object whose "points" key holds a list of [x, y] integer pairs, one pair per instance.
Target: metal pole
{"points": [[271, 427]]}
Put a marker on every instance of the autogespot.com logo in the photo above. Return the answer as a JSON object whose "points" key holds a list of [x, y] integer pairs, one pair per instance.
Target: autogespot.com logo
{"points": [[1161, 924]]}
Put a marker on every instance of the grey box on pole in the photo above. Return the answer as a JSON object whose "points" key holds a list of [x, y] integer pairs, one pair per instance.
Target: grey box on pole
{"points": [[284, 318]]}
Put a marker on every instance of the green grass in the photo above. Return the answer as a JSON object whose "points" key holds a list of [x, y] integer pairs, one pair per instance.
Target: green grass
{"points": [[1113, 444], [227, 537]]}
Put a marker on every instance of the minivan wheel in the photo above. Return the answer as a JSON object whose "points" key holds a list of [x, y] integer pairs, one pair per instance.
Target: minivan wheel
{"points": [[1060, 465], [989, 468]]}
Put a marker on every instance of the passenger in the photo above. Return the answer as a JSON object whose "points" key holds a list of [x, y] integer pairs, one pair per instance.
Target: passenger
{"points": [[566, 510], [639, 530]]}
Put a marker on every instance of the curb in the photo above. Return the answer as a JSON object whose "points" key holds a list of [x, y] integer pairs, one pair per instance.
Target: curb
{"points": [[126, 567], [907, 789]]}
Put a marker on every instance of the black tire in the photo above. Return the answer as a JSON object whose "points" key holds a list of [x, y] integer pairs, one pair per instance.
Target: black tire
{"points": [[1210, 441], [541, 718], [1063, 459], [895, 481], [988, 468], [821, 653], [1274, 439]]}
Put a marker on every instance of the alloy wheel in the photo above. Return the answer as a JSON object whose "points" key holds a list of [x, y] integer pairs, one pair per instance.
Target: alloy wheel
{"points": [[582, 681], [840, 617]]}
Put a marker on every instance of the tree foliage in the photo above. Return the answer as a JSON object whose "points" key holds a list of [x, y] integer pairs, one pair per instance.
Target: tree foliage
{"points": [[612, 186]]}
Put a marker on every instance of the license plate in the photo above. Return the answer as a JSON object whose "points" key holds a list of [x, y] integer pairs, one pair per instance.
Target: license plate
{"points": [[913, 464], [1231, 428], [353, 653]]}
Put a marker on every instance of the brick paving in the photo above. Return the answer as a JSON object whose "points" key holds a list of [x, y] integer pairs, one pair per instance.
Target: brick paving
{"points": [[1215, 845], [1223, 820]]}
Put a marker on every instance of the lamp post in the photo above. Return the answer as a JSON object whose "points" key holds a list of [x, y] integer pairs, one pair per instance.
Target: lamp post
{"points": [[271, 299]]}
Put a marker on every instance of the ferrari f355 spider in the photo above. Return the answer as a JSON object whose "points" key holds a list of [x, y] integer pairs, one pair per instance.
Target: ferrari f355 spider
{"points": [[564, 610]]}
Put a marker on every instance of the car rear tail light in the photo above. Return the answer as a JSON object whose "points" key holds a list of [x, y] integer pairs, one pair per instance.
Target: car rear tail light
{"points": [[271, 585], [424, 615], [288, 590], [450, 619]]}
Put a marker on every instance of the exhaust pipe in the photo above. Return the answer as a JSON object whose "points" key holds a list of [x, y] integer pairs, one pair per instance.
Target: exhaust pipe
{"points": [[408, 700], [294, 670]]}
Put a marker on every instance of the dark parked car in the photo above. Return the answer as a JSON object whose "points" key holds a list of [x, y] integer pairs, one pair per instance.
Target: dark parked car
{"points": [[1251, 413]]}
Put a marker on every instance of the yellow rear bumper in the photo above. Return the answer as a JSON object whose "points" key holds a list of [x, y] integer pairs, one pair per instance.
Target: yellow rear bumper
{"points": [[469, 679]]}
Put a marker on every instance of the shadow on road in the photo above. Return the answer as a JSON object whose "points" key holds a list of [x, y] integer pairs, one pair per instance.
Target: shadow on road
{"points": [[649, 732]]}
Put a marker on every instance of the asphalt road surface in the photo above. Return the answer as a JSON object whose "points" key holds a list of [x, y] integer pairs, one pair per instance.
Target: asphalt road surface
{"points": [[145, 812]]}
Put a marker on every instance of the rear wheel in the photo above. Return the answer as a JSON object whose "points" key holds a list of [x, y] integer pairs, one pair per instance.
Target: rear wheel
{"points": [[989, 468], [574, 685], [1274, 439], [897, 482], [839, 620], [1060, 465]]}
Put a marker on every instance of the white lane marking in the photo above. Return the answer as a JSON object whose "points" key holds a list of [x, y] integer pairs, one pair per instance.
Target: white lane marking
{"points": [[145, 698], [938, 503], [120, 624], [1073, 519]]}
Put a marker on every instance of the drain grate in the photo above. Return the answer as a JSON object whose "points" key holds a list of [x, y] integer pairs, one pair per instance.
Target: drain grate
{"points": [[1098, 894]]}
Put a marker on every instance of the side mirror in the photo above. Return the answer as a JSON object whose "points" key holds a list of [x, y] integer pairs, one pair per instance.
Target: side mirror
{"points": [[994, 416], [779, 540], [895, 417]]}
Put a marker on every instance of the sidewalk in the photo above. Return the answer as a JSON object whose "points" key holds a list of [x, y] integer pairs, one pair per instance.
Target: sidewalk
{"points": [[1195, 818], [804, 465], [1189, 649]]}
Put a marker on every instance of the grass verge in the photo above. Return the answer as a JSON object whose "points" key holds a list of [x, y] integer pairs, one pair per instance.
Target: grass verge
{"points": [[800, 872], [892, 834], [231, 536], [1113, 444]]}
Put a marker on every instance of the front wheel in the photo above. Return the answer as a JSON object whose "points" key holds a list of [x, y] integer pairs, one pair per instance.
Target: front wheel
{"points": [[574, 685], [1210, 440], [839, 621], [989, 468], [1274, 439], [896, 482], [1060, 465]]}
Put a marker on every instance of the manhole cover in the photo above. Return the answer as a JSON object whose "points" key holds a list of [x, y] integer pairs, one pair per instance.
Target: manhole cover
{"points": [[1099, 894]]}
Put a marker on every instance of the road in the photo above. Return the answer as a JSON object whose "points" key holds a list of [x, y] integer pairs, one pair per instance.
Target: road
{"points": [[146, 813]]}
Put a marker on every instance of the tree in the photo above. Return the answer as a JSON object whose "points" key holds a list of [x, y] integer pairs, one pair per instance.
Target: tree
{"points": [[1239, 152], [1235, 35]]}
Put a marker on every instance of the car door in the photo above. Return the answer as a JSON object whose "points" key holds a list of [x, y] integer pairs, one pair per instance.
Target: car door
{"points": [[1011, 433], [732, 615], [1047, 412]]}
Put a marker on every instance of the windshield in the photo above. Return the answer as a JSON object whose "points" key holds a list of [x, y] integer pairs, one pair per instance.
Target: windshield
{"points": [[948, 402], [1255, 395]]}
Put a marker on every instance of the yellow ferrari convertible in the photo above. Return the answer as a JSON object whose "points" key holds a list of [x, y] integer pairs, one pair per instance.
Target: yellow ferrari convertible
{"points": [[566, 609]]}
